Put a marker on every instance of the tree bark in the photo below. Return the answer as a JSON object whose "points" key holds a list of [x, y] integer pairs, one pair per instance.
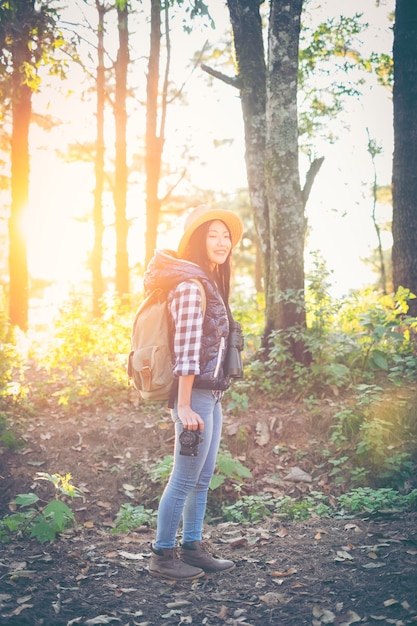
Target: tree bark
{"points": [[18, 266], [404, 180], [285, 198], [250, 60], [120, 191], [97, 257], [153, 141], [269, 106]]}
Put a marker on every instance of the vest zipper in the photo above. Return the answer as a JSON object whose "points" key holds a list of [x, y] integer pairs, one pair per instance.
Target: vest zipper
{"points": [[219, 357]]}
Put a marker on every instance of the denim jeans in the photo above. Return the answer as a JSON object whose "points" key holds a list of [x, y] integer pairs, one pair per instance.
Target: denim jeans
{"points": [[185, 495]]}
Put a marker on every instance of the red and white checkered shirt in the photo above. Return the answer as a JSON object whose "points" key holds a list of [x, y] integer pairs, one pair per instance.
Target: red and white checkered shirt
{"points": [[185, 306]]}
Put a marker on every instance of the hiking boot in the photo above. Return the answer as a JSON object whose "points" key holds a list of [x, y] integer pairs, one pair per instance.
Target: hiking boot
{"points": [[165, 563], [195, 553]]}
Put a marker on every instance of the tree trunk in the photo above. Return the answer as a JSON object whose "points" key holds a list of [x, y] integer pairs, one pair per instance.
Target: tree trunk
{"points": [[97, 257], [285, 199], [120, 191], [269, 106], [404, 180], [153, 142], [18, 267]]}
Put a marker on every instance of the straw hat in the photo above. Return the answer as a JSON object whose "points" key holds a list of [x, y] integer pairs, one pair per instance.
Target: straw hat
{"points": [[203, 214]]}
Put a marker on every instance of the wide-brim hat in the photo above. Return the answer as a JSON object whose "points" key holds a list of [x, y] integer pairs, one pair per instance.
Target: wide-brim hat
{"points": [[202, 214]]}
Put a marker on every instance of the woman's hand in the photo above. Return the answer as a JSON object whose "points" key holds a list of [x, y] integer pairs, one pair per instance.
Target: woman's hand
{"points": [[189, 418]]}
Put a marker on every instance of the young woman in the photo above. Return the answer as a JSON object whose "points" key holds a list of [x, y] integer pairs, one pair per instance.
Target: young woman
{"points": [[200, 340]]}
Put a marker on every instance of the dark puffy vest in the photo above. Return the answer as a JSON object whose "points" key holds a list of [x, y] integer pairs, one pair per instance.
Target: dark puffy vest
{"points": [[166, 272]]}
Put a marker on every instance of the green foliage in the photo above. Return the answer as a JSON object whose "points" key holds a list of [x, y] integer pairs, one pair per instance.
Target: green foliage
{"points": [[86, 360], [7, 437], [237, 400], [131, 517], [43, 523], [252, 509], [351, 342], [28, 34], [366, 500], [228, 468], [378, 434], [161, 470]]}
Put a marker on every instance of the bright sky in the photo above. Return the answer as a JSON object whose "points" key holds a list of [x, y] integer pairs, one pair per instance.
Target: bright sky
{"points": [[339, 209]]}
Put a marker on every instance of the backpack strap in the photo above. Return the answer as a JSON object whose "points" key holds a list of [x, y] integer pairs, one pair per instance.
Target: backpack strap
{"points": [[202, 293]]}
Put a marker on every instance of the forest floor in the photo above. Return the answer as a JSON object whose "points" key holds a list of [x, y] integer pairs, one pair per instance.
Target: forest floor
{"points": [[320, 571]]}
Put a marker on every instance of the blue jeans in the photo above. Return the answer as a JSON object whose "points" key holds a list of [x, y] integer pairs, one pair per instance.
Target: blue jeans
{"points": [[185, 495]]}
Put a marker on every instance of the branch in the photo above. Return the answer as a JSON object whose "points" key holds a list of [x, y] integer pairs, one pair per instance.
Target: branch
{"points": [[234, 81], [311, 175]]}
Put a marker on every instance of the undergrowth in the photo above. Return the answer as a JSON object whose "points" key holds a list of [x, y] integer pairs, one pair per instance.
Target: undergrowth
{"points": [[363, 356]]}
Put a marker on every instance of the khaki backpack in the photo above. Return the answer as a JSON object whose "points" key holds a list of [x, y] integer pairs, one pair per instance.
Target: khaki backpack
{"points": [[150, 362]]}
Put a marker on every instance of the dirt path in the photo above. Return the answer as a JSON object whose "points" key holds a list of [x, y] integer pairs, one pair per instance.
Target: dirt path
{"points": [[320, 571]]}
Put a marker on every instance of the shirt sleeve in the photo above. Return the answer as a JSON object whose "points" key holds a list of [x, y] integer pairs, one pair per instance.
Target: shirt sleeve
{"points": [[187, 313]]}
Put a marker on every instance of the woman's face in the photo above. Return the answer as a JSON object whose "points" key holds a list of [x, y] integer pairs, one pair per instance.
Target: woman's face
{"points": [[218, 243]]}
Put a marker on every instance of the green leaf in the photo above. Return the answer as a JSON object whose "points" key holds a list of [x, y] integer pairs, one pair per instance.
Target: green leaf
{"points": [[60, 513], [379, 360], [43, 531], [216, 481], [26, 499]]}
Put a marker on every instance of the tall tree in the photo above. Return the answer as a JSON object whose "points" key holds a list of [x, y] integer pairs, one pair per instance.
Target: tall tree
{"points": [[404, 181], [154, 135], [157, 92], [268, 91], [28, 37], [268, 82], [97, 256], [121, 173]]}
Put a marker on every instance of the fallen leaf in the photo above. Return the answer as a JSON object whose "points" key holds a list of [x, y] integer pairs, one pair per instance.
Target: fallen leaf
{"points": [[23, 600], [288, 572], [178, 605], [342, 555], [325, 616], [353, 527], [5, 597], [223, 613], [349, 618], [88, 524], [130, 555], [271, 598], [262, 434], [297, 475], [390, 602], [104, 505], [101, 619], [24, 573], [20, 608], [240, 542]]}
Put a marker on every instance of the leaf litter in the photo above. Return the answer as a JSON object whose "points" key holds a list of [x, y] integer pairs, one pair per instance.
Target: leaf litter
{"points": [[319, 571]]}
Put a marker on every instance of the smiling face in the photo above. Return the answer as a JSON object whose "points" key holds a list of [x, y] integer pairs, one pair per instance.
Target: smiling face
{"points": [[218, 243]]}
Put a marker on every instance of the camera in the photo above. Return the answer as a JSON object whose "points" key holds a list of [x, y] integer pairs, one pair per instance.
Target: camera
{"points": [[233, 366], [189, 440]]}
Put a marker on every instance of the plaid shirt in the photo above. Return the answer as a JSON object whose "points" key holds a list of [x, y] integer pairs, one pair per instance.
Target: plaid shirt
{"points": [[186, 309]]}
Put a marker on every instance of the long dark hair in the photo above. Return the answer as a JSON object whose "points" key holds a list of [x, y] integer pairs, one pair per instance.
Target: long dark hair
{"points": [[196, 252]]}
